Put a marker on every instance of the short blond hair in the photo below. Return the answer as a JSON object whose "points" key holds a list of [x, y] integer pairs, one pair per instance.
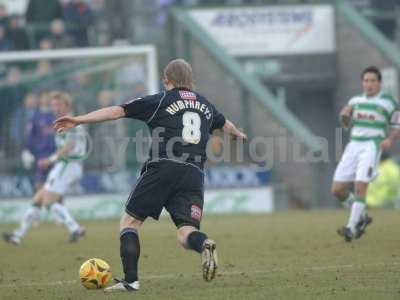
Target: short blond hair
{"points": [[62, 96], [179, 73]]}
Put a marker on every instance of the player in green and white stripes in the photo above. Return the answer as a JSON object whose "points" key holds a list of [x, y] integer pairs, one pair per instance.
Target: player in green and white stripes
{"points": [[373, 120], [66, 170]]}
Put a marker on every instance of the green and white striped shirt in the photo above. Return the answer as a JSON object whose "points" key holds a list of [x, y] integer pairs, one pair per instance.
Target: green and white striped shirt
{"points": [[78, 137], [372, 116]]}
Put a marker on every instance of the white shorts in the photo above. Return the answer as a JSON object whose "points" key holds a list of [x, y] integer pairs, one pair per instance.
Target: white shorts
{"points": [[359, 162], [62, 176]]}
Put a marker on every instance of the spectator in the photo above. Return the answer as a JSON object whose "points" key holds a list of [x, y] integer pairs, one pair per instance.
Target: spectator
{"points": [[59, 38], [43, 67], [3, 15], [82, 87], [78, 15], [13, 76], [101, 22], [40, 136], [39, 14], [46, 44], [106, 136], [40, 11], [20, 118], [124, 27], [5, 44], [17, 34], [10, 95], [46, 72]]}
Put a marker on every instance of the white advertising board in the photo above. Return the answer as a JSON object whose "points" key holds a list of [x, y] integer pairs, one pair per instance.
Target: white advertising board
{"points": [[270, 30], [103, 206]]}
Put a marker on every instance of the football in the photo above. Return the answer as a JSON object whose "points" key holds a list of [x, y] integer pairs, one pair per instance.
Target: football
{"points": [[95, 273]]}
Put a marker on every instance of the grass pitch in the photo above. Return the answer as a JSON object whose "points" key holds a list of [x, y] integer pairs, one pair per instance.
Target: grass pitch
{"points": [[294, 255]]}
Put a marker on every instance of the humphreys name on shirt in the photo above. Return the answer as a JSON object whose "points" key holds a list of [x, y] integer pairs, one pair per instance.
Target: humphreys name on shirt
{"points": [[178, 105]]}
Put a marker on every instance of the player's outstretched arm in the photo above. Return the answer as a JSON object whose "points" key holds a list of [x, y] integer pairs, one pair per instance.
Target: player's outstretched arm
{"points": [[231, 129], [345, 116], [104, 114]]}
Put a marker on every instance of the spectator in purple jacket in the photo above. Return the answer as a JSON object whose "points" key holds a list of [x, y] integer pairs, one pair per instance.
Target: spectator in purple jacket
{"points": [[40, 137]]}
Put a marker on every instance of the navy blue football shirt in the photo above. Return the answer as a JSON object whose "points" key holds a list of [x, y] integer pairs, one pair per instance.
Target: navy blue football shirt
{"points": [[180, 121]]}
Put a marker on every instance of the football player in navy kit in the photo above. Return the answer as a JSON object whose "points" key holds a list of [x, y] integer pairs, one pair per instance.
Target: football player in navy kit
{"points": [[180, 121]]}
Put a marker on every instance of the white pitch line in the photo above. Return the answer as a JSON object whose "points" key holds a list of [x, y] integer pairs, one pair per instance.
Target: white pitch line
{"points": [[225, 273], [28, 284]]}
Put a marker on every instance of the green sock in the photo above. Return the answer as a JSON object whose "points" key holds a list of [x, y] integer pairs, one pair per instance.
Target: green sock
{"points": [[359, 199], [362, 201], [357, 212], [346, 202]]}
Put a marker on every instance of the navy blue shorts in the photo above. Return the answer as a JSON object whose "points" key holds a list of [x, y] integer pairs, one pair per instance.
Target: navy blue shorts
{"points": [[175, 186]]}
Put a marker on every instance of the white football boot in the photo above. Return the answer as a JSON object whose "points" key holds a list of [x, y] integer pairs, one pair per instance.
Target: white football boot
{"points": [[11, 238], [209, 260], [122, 286]]}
